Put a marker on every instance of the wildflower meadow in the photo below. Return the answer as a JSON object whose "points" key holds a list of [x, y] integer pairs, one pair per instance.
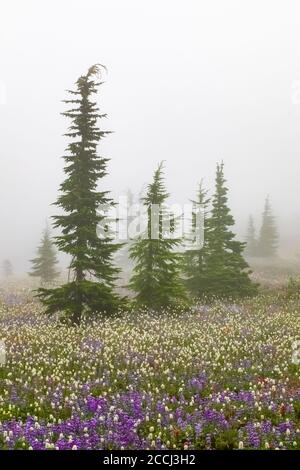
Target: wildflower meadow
{"points": [[219, 376]]}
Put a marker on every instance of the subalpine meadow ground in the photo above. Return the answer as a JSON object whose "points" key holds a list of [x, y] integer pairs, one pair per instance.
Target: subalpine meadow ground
{"points": [[218, 377]]}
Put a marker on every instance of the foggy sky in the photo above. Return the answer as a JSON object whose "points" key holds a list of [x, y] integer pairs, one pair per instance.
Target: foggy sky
{"points": [[189, 82]]}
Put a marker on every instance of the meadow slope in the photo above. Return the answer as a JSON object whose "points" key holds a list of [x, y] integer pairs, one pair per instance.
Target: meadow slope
{"points": [[219, 377]]}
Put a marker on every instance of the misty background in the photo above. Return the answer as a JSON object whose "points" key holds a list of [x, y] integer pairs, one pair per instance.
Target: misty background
{"points": [[189, 82]]}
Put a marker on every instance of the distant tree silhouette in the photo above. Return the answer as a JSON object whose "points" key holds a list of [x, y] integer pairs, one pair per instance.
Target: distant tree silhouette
{"points": [[44, 265], [123, 255], [268, 239], [195, 258], [7, 268]]}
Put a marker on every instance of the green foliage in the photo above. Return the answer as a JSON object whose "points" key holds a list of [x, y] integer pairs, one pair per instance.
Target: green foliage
{"points": [[156, 276], [227, 440], [7, 268], [226, 271], [268, 239], [95, 297], [292, 289], [44, 265], [195, 258], [91, 255]]}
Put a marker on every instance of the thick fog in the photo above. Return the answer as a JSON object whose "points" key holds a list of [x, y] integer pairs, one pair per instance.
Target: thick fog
{"points": [[189, 82]]}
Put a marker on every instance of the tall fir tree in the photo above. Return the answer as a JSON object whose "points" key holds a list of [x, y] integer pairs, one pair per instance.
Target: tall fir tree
{"points": [[251, 241], [91, 289], [227, 272], [7, 268], [45, 263], [195, 258], [268, 239], [156, 278]]}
